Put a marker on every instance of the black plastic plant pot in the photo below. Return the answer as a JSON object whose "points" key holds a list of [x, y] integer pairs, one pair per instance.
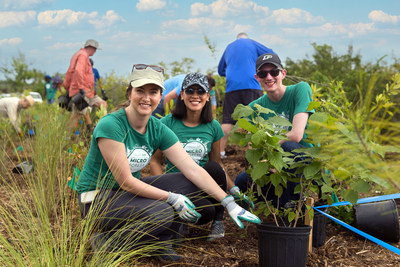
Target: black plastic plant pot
{"points": [[379, 219], [282, 246], [319, 228]]}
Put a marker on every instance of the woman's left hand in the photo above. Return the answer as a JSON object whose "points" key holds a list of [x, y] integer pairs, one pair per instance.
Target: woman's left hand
{"points": [[237, 213]]}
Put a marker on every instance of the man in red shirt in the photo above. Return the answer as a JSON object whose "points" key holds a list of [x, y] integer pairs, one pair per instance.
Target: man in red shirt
{"points": [[79, 83]]}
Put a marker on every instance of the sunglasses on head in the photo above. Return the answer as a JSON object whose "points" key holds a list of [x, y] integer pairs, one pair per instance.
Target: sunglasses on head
{"points": [[200, 91], [144, 66], [264, 73]]}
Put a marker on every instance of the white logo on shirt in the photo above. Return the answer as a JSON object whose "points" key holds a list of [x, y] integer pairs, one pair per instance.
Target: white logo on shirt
{"points": [[196, 149], [138, 158]]}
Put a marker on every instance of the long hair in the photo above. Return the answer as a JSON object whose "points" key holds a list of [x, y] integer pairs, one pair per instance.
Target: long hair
{"points": [[179, 111]]}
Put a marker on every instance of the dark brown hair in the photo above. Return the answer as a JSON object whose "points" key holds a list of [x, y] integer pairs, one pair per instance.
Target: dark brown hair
{"points": [[179, 111]]}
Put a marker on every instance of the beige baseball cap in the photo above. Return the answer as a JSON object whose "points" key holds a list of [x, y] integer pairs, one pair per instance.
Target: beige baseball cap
{"points": [[92, 43], [29, 100], [145, 74]]}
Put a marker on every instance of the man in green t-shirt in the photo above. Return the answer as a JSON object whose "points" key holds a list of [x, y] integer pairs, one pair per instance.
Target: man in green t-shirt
{"points": [[290, 102]]}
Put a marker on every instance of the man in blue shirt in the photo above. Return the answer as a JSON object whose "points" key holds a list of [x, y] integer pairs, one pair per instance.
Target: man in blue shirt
{"points": [[237, 65]]}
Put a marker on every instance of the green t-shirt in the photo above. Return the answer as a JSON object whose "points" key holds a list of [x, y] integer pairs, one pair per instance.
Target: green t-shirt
{"points": [[50, 91], [296, 99], [139, 149], [196, 141]]}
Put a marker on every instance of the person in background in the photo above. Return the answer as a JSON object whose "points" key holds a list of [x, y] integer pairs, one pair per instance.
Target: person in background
{"points": [[191, 120], [97, 81], [79, 83], [48, 90], [172, 90], [135, 211], [10, 107], [237, 65], [214, 94], [290, 102]]}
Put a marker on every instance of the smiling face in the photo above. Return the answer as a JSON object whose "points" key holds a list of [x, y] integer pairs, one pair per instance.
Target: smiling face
{"points": [[195, 101], [144, 99], [270, 83]]}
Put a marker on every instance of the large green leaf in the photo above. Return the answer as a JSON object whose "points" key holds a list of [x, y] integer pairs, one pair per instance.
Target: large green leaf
{"points": [[275, 179], [277, 120], [360, 186], [242, 111], [246, 125], [259, 169], [350, 195], [312, 169], [276, 160], [253, 155], [259, 137]]}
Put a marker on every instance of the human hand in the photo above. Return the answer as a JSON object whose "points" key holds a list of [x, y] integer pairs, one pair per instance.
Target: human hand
{"points": [[237, 213], [184, 207], [235, 192]]}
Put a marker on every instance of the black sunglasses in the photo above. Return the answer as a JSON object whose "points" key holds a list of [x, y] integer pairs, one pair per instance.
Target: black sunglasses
{"points": [[264, 73], [144, 66], [200, 91]]}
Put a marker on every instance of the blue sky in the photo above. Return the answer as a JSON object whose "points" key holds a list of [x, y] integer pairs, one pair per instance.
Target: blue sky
{"points": [[49, 32]]}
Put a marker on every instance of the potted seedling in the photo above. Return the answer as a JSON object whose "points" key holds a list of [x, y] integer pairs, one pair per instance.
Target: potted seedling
{"points": [[271, 168]]}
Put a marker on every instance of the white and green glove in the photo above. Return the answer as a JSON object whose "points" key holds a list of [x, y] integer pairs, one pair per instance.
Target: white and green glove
{"points": [[238, 213], [235, 192], [184, 207]]}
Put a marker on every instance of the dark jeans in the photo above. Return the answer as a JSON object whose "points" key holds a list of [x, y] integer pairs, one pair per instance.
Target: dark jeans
{"points": [[244, 182]]}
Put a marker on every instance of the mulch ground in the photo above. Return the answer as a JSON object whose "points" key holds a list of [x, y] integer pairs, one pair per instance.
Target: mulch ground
{"points": [[240, 247]]}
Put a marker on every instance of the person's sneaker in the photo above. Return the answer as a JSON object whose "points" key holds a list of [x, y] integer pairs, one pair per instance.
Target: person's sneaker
{"points": [[223, 155], [217, 231], [167, 255]]}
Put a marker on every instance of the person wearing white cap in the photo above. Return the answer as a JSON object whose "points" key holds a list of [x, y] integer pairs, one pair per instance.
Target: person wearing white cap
{"points": [[79, 83], [135, 211], [10, 107]]}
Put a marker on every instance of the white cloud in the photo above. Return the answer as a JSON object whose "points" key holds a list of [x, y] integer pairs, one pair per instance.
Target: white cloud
{"points": [[25, 4], [150, 5], [11, 41], [293, 16], [195, 24], [380, 16], [107, 20], [224, 8], [10, 18], [64, 46], [57, 17], [273, 40], [329, 29]]}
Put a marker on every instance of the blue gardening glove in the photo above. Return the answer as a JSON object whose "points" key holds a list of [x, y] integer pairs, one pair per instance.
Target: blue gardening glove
{"points": [[235, 192], [238, 213], [184, 207]]}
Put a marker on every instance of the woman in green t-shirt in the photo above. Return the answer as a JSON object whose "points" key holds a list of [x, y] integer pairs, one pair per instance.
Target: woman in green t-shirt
{"points": [[192, 122], [134, 211]]}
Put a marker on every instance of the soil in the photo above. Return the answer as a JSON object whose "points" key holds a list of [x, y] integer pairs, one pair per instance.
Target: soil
{"points": [[239, 247]]}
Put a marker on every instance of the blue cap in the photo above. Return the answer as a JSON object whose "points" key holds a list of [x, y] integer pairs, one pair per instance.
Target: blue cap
{"points": [[47, 76]]}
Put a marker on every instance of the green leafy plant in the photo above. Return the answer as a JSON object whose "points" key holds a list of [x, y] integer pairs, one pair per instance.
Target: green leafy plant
{"points": [[270, 164]]}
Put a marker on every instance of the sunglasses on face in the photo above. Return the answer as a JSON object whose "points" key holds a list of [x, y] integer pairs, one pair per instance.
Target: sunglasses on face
{"points": [[264, 73], [200, 91], [144, 66]]}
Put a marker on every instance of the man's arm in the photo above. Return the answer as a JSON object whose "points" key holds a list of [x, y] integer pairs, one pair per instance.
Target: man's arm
{"points": [[222, 66], [167, 99], [298, 127]]}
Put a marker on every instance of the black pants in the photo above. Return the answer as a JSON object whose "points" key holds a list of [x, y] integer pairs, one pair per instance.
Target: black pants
{"points": [[136, 221]]}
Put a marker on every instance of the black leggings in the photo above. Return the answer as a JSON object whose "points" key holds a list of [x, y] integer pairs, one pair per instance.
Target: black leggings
{"points": [[145, 220]]}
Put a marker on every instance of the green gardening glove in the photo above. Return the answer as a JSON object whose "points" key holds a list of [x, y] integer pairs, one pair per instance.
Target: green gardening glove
{"points": [[235, 192], [238, 213]]}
